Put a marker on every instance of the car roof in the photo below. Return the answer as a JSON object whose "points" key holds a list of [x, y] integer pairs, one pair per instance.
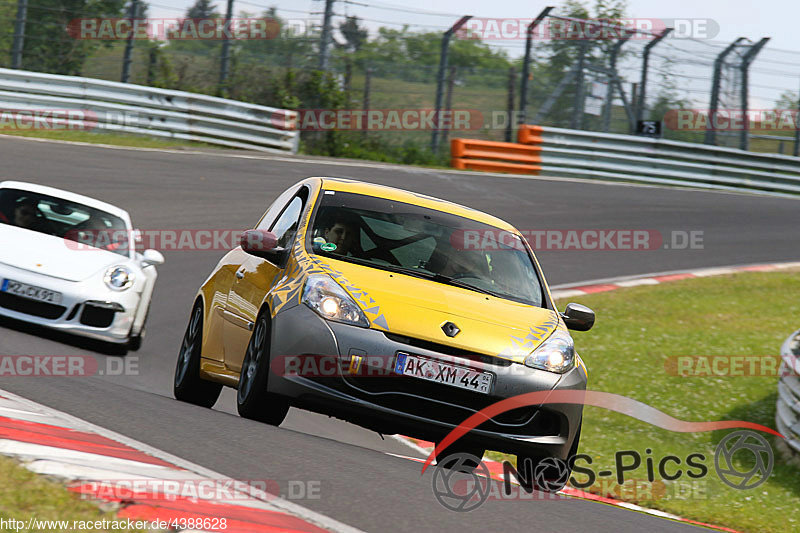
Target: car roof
{"points": [[66, 195], [422, 200]]}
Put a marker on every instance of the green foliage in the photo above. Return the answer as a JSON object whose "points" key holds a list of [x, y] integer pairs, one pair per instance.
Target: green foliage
{"points": [[788, 100], [48, 47]]}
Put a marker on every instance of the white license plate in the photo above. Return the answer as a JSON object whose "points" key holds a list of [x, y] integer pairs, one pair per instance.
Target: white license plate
{"points": [[30, 291], [444, 373]]}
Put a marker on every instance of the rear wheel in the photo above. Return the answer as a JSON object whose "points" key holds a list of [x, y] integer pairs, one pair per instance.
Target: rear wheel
{"points": [[252, 399], [188, 386]]}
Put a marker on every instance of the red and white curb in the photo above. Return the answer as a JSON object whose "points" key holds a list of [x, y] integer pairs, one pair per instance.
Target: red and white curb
{"points": [[102, 465], [496, 472], [605, 285]]}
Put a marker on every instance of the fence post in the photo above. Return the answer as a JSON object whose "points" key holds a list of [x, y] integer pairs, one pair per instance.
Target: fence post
{"points": [[19, 34], [641, 102], [367, 80], [226, 50], [612, 65], [523, 91], [126, 58], [440, 78], [577, 107], [448, 103], [512, 81], [711, 133], [744, 140]]}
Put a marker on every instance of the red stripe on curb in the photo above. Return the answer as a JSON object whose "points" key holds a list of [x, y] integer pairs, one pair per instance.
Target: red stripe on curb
{"points": [[70, 439], [673, 277], [758, 268], [595, 288], [151, 507]]}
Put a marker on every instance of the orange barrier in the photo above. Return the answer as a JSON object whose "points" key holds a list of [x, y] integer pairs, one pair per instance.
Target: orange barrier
{"points": [[495, 166], [528, 134], [495, 156]]}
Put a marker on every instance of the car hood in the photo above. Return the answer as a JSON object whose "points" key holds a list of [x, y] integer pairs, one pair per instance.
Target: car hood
{"points": [[417, 308], [52, 256]]}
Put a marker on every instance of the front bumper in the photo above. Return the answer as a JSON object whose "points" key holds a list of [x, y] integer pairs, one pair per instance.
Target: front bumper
{"points": [[88, 308], [400, 404]]}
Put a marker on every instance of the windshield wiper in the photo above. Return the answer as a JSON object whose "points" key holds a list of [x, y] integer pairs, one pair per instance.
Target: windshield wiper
{"points": [[439, 278]]}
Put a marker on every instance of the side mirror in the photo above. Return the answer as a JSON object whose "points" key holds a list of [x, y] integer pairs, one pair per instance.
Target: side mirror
{"points": [[263, 244], [578, 317], [152, 257]]}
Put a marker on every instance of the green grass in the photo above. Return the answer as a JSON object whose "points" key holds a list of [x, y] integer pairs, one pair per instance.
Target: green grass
{"points": [[24, 494], [117, 139], [637, 329]]}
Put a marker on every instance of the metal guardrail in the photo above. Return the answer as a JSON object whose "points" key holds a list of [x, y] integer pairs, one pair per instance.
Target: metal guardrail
{"points": [[584, 154], [787, 417], [124, 107]]}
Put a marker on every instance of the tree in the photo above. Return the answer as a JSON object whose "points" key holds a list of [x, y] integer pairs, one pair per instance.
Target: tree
{"points": [[202, 9], [355, 36], [787, 100]]}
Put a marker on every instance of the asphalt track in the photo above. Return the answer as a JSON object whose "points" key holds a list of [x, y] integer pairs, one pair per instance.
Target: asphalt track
{"points": [[361, 485]]}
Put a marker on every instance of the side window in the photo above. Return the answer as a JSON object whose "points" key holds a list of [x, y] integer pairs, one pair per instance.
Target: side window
{"points": [[275, 209], [285, 227]]}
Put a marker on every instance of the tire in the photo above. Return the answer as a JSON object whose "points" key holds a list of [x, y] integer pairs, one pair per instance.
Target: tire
{"points": [[458, 448], [548, 474], [187, 385], [252, 399]]}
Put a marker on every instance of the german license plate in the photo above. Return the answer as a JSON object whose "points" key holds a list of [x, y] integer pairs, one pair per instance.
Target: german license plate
{"points": [[444, 373], [30, 291]]}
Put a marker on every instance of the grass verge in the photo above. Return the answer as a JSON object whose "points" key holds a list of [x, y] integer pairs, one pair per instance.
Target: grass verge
{"points": [[638, 329], [25, 495], [116, 139]]}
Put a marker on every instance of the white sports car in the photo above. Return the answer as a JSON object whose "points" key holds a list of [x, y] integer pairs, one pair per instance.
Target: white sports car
{"points": [[69, 262]]}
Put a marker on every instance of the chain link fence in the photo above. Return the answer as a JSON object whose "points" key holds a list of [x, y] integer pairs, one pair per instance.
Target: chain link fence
{"points": [[574, 82]]}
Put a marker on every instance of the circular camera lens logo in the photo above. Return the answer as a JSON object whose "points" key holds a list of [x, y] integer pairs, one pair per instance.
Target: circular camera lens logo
{"points": [[752, 449], [551, 474], [460, 486]]}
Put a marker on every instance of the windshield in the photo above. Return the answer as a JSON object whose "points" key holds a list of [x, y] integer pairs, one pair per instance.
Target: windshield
{"points": [[62, 218], [425, 243]]}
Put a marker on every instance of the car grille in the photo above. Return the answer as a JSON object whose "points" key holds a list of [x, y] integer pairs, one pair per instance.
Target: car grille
{"points": [[31, 307], [447, 350]]}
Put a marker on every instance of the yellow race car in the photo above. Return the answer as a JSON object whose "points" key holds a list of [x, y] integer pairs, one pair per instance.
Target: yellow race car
{"points": [[393, 310]]}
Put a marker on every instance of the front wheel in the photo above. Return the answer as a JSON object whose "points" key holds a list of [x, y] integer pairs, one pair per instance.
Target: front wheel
{"points": [[188, 386], [252, 399], [448, 458], [547, 474]]}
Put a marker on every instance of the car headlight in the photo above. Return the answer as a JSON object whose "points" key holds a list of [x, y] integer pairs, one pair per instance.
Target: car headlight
{"points": [[329, 300], [118, 278], [556, 354]]}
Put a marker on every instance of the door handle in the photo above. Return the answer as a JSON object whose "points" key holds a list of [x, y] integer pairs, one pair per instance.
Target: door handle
{"points": [[240, 274]]}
